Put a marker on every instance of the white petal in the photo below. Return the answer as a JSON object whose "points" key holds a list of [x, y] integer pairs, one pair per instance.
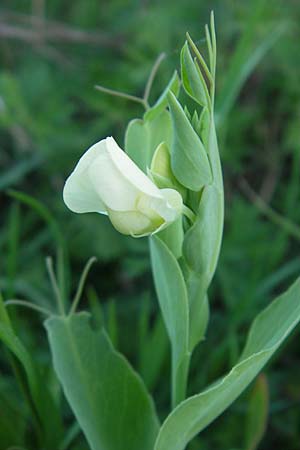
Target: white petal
{"points": [[134, 223], [117, 180], [79, 194], [168, 206], [111, 185], [174, 202], [130, 170]]}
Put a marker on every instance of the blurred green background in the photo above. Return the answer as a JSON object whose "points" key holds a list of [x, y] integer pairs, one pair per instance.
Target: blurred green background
{"points": [[52, 53]]}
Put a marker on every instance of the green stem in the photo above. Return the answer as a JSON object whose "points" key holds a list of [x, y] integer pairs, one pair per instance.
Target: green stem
{"points": [[214, 56], [153, 72], [29, 305], [200, 58], [132, 98], [189, 213], [179, 380], [209, 47], [208, 99], [81, 284], [59, 300]]}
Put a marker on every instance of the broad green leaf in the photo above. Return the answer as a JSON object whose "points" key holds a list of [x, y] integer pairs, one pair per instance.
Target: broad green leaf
{"points": [[190, 77], [257, 413], [143, 136], [108, 398], [162, 102], [172, 296], [268, 331], [188, 156]]}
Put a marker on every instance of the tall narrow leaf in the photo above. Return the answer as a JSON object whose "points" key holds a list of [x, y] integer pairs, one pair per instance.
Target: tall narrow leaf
{"points": [[268, 331], [172, 296]]}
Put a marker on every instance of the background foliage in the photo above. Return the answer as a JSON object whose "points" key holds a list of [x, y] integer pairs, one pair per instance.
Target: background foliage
{"points": [[52, 54]]}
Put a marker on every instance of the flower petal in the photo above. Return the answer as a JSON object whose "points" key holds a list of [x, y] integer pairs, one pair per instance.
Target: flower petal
{"points": [[79, 194], [168, 206], [134, 223], [130, 170], [117, 180]]}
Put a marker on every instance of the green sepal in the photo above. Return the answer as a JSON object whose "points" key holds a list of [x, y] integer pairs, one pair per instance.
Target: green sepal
{"points": [[203, 128], [161, 170], [189, 159], [187, 113]]}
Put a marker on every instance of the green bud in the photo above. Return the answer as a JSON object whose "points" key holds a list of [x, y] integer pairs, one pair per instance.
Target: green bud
{"points": [[187, 113], [191, 80], [204, 126], [161, 170], [189, 159], [161, 162], [195, 122]]}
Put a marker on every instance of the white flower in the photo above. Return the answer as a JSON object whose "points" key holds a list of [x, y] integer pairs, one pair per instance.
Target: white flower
{"points": [[105, 180]]}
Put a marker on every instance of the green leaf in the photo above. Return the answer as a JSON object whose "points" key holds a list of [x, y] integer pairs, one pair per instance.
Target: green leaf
{"points": [[188, 156], [107, 397], [143, 136], [173, 236], [162, 102], [202, 241], [199, 308], [268, 331], [172, 296], [190, 77], [44, 408], [257, 413]]}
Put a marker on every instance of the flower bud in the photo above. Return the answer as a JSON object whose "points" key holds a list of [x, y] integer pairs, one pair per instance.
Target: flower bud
{"points": [[161, 172], [107, 181]]}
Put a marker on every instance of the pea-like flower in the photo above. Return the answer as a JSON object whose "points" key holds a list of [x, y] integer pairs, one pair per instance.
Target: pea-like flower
{"points": [[105, 180]]}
